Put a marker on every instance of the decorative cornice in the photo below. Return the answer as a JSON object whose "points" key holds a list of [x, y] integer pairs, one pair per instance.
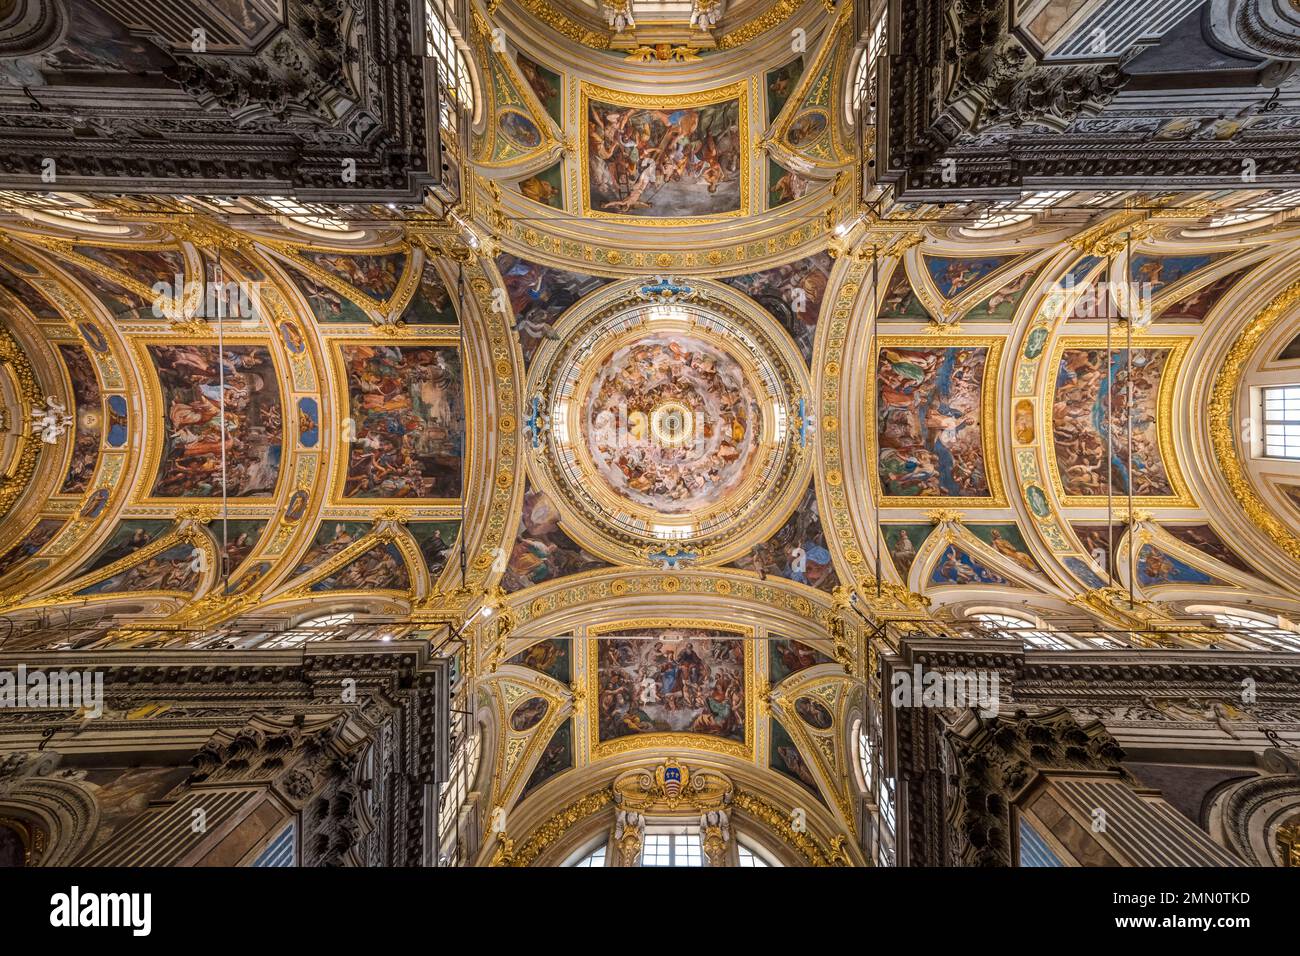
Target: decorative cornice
{"points": [[507, 854], [1221, 421], [19, 477]]}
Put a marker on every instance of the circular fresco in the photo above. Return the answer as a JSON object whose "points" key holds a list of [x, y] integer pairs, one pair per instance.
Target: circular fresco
{"points": [[671, 423], [813, 712], [671, 427], [528, 714], [519, 129], [807, 127]]}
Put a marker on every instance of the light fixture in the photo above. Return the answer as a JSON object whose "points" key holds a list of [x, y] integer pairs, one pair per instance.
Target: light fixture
{"points": [[485, 611]]}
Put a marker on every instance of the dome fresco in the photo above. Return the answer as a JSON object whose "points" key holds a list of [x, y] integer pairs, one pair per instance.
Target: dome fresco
{"points": [[671, 423]]}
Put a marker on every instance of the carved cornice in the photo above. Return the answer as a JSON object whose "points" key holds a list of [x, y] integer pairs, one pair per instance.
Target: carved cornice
{"points": [[337, 85], [1105, 668], [1001, 759], [963, 94]]}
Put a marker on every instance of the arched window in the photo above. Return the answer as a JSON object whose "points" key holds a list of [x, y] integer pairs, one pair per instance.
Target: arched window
{"points": [[675, 845], [888, 805], [68, 206], [866, 756], [1257, 208], [466, 752], [323, 627], [595, 858], [453, 72], [1254, 627], [749, 856], [1028, 630], [312, 215], [864, 78], [1008, 212]]}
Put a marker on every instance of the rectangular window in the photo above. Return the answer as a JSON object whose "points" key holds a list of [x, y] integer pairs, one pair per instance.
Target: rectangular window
{"points": [[672, 849], [1282, 421]]}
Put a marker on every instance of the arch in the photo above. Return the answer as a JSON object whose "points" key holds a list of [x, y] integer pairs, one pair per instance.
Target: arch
{"points": [[60, 814], [1273, 630], [1246, 816], [595, 854]]}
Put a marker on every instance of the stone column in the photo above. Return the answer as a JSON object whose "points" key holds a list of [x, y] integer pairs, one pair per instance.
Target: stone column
{"points": [[1049, 780]]}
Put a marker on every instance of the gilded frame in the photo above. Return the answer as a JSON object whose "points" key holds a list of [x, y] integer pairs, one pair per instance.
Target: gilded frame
{"points": [[1177, 345], [156, 411], [343, 402], [1222, 407], [736, 91], [599, 749], [997, 496]]}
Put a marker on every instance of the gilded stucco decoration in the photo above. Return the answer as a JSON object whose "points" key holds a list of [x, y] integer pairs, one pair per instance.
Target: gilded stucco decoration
{"points": [[809, 135], [629, 406], [314, 308]]}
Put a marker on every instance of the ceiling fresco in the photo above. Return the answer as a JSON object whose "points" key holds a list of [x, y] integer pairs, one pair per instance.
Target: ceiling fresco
{"points": [[263, 396], [353, 428], [673, 158], [674, 422], [643, 421], [931, 421], [661, 397]]}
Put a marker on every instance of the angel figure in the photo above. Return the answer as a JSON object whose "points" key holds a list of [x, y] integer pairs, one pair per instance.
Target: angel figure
{"points": [[51, 421]]}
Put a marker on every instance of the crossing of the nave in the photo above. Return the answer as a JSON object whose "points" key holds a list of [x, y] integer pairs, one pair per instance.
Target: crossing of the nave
{"points": [[628, 433]]}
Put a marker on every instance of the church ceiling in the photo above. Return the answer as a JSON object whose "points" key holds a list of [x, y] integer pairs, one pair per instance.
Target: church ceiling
{"points": [[360, 387], [661, 396], [315, 344], [652, 151]]}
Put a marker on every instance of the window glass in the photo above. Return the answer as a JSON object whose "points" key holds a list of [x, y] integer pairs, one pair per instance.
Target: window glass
{"points": [[1282, 421], [453, 73], [595, 858]]}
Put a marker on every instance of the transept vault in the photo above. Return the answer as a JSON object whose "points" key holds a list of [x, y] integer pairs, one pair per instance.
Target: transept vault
{"points": [[620, 404]]}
